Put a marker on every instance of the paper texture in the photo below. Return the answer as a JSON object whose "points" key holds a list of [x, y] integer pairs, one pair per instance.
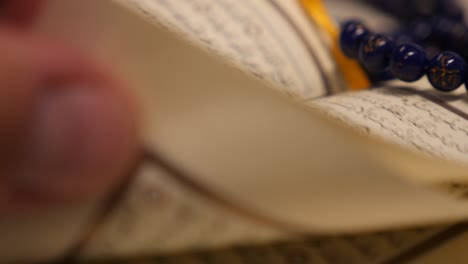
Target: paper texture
{"points": [[423, 120], [404, 246], [287, 169], [270, 39], [161, 213]]}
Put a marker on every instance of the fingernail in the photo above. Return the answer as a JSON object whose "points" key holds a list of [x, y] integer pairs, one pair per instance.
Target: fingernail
{"points": [[76, 133]]}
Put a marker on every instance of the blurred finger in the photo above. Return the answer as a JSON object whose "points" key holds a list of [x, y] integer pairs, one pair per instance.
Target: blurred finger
{"points": [[68, 132], [19, 13]]}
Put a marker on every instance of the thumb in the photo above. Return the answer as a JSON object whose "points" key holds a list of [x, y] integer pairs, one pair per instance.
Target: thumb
{"points": [[68, 132]]}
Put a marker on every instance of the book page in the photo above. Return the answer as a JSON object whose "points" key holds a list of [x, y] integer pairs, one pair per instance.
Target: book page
{"points": [[416, 245], [162, 212], [424, 120], [271, 39], [229, 148]]}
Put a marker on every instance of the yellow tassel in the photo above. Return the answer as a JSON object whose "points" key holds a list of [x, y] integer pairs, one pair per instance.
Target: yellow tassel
{"points": [[352, 72]]}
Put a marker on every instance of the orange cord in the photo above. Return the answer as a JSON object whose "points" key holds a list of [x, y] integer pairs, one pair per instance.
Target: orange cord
{"points": [[352, 72]]}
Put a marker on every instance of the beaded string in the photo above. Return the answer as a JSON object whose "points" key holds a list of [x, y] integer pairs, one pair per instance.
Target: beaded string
{"points": [[435, 25], [379, 54], [353, 75]]}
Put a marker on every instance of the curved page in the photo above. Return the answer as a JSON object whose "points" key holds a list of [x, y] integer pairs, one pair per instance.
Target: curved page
{"points": [[230, 148]]}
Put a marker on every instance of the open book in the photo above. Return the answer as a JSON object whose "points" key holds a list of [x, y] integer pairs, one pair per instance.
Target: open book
{"points": [[253, 151]]}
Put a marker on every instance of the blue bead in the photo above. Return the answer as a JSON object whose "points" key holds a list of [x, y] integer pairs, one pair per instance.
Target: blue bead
{"points": [[446, 71], [408, 62], [375, 52], [352, 34]]}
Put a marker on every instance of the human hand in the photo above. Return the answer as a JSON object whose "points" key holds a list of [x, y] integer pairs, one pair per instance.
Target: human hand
{"points": [[68, 131]]}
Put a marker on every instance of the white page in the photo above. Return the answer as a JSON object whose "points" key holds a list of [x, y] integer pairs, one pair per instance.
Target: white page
{"points": [[423, 120], [238, 138], [270, 39]]}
